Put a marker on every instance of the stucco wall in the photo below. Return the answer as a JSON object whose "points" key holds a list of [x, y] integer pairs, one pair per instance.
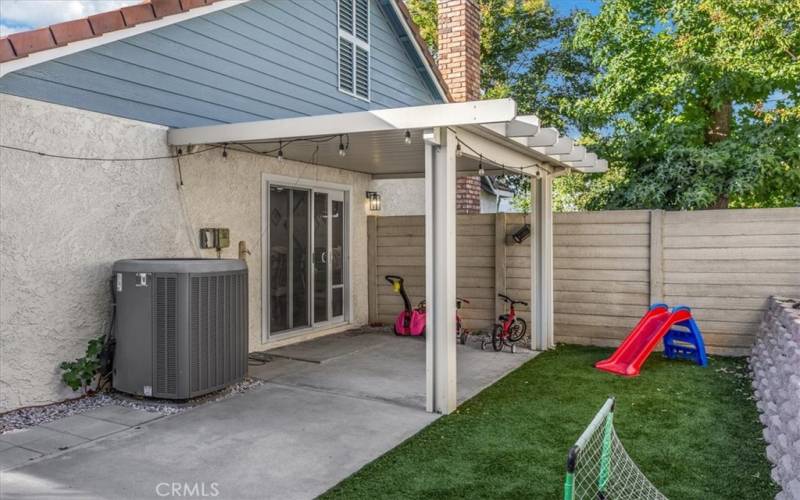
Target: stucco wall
{"points": [[64, 222], [400, 196], [227, 192]]}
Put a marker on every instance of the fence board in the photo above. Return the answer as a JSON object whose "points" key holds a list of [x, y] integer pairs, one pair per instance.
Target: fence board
{"points": [[722, 263]]}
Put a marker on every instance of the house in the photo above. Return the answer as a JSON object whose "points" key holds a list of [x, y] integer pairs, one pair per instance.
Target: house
{"points": [[125, 133]]}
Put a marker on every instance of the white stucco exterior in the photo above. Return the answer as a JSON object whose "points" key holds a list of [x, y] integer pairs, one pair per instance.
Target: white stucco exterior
{"points": [[64, 222], [400, 196]]}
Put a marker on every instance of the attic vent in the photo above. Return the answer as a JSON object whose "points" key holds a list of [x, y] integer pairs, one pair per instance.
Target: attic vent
{"points": [[354, 60]]}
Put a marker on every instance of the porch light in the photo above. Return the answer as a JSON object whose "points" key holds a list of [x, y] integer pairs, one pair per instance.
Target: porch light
{"points": [[342, 149], [374, 201], [458, 150], [481, 171], [280, 151], [408, 137]]}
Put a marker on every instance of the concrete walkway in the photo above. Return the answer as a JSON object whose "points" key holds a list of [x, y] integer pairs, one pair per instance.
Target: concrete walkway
{"points": [[329, 407]]}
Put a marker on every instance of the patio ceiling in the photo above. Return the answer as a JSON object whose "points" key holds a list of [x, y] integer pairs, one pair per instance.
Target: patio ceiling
{"points": [[490, 134]]}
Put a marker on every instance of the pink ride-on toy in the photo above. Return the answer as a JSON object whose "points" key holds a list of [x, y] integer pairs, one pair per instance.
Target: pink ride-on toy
{"points": [[411, 321]]}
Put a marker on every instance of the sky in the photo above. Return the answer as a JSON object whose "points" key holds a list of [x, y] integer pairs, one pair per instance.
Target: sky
{"points": [[23, 15]]}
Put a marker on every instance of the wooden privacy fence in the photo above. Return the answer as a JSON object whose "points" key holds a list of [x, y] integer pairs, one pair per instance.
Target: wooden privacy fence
{"points": [[608, 267]]}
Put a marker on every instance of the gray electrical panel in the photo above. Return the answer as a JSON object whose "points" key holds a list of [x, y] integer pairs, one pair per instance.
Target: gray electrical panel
{"points": [[181, 326]]}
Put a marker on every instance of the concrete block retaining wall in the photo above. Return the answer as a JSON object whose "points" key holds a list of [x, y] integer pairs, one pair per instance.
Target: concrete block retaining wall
{"points": [[775, 362]]}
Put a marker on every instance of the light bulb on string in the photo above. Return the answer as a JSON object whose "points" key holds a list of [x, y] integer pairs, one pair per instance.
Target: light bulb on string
{"points": [[407, 138]]}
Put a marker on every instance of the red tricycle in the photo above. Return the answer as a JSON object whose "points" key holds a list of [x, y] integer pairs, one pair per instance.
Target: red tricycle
{"points": [[411, 321], [510, 330]]}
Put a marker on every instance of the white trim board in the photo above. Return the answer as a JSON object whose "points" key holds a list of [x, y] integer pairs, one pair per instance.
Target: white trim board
{"points": [[377, 120], [81, 45]]}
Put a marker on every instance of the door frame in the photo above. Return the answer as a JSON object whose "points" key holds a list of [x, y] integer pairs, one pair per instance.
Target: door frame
{"points": [[294, 182]]}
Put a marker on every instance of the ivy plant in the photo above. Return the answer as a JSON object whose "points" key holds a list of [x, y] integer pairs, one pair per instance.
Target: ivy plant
{"points": [[80, 374]]}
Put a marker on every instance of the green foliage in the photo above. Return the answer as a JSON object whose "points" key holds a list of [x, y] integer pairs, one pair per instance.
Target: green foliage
{"points": [[697, 102], [522, 55], [689, 429], [80, 374]]}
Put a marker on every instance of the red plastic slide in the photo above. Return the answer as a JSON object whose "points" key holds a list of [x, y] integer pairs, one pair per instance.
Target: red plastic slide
{"points": [[628, 359]]}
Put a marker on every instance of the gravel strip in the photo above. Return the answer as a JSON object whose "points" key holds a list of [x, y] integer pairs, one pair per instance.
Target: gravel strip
{"points": [[24, 418]]}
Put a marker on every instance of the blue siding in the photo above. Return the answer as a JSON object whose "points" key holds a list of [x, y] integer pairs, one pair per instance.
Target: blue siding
{"points": [[260, 60]]}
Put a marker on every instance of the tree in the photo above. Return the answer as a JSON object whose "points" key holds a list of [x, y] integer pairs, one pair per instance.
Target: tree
{"points": [[695, 104], [522, 55]]}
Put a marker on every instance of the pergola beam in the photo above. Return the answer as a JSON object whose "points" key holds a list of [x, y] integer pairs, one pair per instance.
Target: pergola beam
{"points": [[378, 120]]}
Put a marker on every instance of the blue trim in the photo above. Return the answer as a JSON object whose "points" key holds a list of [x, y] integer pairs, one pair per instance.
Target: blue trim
{"points": [[410, 46]]}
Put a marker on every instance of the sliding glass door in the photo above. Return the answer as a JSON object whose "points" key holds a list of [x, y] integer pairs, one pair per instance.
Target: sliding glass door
{"points": [[307, 258]]}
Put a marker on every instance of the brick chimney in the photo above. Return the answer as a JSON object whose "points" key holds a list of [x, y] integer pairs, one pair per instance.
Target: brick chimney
{"points": [[460, 65]]}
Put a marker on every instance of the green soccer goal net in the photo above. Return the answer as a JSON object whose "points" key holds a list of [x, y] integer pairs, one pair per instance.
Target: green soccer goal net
{"points": [[599, 468]]}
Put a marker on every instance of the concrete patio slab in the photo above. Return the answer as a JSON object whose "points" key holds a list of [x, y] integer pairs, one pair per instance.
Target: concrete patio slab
{"points": [[85, 426], [122, 415], [272, 442], [277, 367], [331, 347], [395, 370], [14, 456], [310, 425], [43, 440]]}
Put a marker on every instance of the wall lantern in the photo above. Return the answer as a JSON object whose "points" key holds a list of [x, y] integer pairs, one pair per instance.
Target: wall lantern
{"points": [[374, 201]]}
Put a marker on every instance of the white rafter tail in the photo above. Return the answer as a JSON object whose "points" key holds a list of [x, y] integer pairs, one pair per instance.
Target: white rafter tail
{"points": [[413, 117], [543, 138], [577, 154], [518, 128], [599, 167], [523, 126], [563, 146], [589, 161]]}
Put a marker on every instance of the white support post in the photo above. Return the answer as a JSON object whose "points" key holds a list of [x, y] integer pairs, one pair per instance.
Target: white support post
{"points": [[542, 262], [440, 270]]}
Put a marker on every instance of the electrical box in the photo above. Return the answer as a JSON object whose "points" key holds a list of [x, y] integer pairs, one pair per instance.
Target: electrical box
{"points": [[215, 237]]}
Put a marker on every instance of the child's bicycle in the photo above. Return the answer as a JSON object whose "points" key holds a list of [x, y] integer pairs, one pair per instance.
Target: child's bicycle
{"points": [[462, 334], [511, 329]]}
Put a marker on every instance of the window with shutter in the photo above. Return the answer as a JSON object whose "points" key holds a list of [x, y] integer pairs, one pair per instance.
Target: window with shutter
{"points": [[354, 56]]}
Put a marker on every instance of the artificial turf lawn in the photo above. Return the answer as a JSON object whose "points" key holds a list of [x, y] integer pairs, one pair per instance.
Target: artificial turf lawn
{"points": [[693, 431]]}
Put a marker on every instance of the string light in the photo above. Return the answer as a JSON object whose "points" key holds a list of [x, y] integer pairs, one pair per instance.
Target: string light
{"points": [[344, 145], [511, 171]]}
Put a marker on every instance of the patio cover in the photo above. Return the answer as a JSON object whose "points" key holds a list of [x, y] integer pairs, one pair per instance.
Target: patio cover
{"points": [[446, 140], [517, 143]]}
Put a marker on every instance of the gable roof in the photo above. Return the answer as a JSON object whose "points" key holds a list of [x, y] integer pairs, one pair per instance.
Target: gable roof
{"points": [[22, 44], [60, 39]]}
